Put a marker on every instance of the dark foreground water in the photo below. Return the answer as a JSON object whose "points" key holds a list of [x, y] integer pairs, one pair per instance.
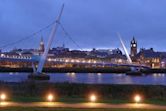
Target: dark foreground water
{"points": [[92, 78]]}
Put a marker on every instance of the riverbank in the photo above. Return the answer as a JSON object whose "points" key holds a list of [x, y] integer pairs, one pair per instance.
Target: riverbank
{"points": [[71, 92], [69, 109], [83, 70]]}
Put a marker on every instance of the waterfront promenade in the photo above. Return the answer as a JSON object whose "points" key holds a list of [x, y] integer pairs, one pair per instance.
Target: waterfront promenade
{"points": [[83, 105]]}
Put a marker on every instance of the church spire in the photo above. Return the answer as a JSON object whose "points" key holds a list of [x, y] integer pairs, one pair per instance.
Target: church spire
{"points": [[133, 40], [41, 40], [41, 48]]}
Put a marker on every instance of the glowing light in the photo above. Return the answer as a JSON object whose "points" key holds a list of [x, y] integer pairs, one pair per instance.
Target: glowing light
{"points": [[155, 75], [89, 61], [120, 61], [73, 73], [92, 98], [77, 61], [137, 98], [72, 60], [2, 55], [50, 97], [3, 97], [94, 62], [49, 59]]}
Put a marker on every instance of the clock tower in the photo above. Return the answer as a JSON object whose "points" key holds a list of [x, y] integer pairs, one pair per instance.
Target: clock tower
{"points": [[41, 48], [133, 48]]}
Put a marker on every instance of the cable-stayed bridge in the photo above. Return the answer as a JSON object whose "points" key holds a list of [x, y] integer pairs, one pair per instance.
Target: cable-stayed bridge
{"points": [[36, 58], [44, 57]]}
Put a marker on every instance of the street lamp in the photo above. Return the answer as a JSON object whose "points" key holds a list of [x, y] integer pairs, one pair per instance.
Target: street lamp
{"points": [[2, 98], [137, 98], [92, 98], [50, 97]]}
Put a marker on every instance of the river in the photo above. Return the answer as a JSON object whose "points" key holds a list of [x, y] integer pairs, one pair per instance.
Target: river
{"points": [[92, 78]]}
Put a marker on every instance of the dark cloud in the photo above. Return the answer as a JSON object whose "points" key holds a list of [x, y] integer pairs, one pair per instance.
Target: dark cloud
{"points": [[92, 23]]}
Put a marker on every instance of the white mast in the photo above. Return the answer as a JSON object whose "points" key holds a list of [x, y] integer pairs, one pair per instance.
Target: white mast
{"points": [[51, 37], [124, 48]]}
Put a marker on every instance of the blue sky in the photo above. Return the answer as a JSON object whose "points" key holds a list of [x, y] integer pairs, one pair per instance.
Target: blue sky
{"points": [[91, 23]]}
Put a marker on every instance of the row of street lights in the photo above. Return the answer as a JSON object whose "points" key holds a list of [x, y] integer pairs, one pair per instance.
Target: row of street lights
{"points": [[92, 97]]}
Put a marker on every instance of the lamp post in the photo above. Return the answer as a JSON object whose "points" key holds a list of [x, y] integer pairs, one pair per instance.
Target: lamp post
{"points": [[137, 98], [50, 97], [93, 98], [2, 97]]}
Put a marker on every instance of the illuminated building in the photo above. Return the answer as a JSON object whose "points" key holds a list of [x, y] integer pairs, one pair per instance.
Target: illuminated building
{"points": [[41, 48], [133, 48], [149, 57]]}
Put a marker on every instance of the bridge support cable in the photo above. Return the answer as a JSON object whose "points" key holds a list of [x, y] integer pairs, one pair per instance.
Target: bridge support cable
{"points": [[27, 37], [68, 35], [50, 40]]}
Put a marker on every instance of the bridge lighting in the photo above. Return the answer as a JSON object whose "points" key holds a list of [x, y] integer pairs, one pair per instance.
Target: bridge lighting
{"points": [[49, 59], [119, 60], [2, 55], [2, 96], [50, 97], [77, 61], [92, 98], [89, 61], [66, 60], [94, 62], [137, 98], [72, 60]]}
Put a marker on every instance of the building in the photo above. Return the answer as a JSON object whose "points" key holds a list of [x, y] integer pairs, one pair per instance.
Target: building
{"points": [[41, 47], [59, 50], [103, 53], [149, 58], [133, 48]]}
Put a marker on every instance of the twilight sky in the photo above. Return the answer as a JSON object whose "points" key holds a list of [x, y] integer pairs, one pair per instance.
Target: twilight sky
{"points": [[91, 23]]}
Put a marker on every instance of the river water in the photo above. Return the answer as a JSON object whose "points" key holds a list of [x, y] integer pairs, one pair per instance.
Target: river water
{"points": [[92, 78]]}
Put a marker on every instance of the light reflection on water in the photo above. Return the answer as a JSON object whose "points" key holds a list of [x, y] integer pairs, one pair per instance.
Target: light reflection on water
{"points": [[92, 78]]}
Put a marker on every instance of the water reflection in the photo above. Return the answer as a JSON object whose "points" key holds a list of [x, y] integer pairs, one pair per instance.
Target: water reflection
{"points": [[71, 77], [92, 78]]}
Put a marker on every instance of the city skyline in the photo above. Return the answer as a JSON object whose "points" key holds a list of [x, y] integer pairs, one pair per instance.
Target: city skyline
{"points": [[92, 22]]}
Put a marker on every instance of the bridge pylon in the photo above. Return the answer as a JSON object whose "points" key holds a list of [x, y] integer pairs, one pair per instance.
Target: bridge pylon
{"points": [[39, 75]]}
